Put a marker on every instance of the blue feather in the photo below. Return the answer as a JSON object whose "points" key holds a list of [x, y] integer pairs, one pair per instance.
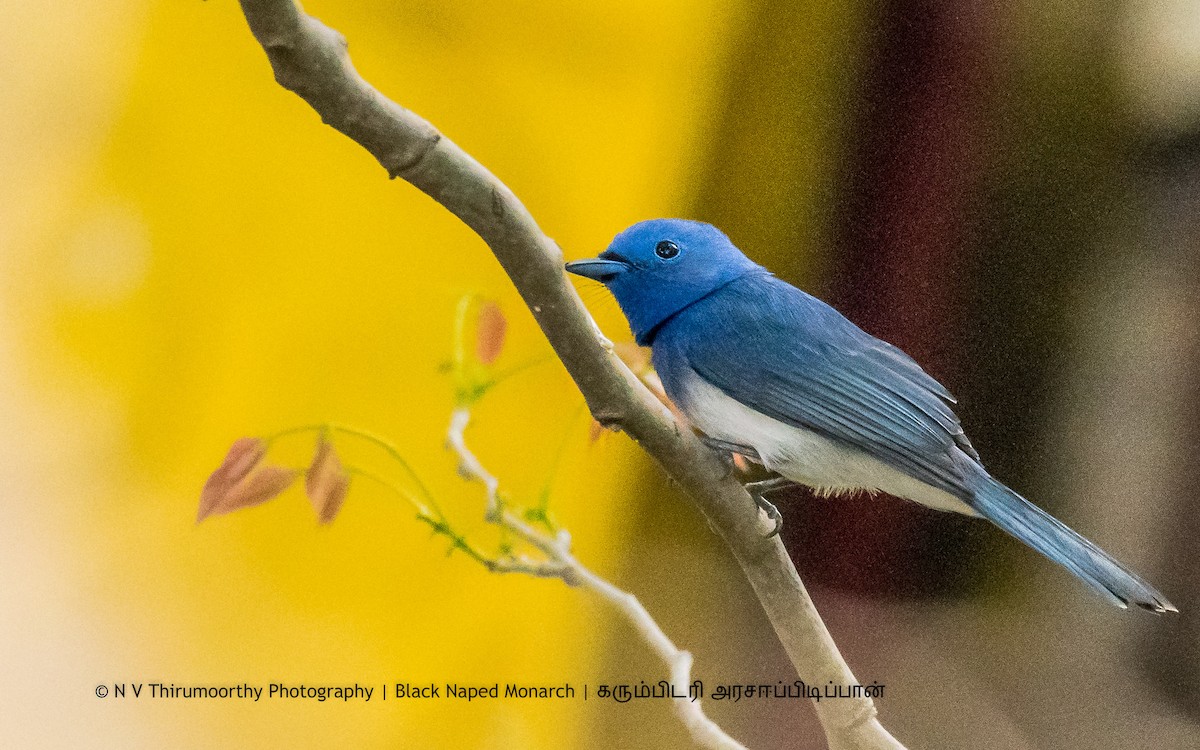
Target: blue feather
{"points": [[1058, 542]]}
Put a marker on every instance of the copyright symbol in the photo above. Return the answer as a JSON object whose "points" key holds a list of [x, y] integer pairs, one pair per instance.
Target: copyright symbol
{"points": [[101, 691]]}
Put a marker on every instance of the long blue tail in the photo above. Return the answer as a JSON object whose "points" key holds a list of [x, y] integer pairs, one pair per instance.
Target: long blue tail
{"points": [[1055, 540]]}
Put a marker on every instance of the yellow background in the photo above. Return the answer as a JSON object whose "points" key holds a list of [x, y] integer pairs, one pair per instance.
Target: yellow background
{"points": [[190, 256]]}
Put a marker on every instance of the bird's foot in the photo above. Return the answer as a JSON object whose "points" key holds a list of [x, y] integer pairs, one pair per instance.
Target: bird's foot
{"points": [[727, 450], [758, 491]]}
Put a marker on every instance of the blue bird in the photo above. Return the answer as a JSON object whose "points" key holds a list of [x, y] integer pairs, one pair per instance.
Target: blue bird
{"points": [[770, 372]]}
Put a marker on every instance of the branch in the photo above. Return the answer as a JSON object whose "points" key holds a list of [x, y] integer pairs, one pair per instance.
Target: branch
{"points": [[704, 730], [310, 59]]}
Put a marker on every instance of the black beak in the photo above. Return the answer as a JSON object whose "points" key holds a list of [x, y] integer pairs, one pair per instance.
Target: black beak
{"points": [[599, 269]]}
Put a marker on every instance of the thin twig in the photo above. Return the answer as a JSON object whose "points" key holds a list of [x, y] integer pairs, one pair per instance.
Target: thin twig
{"points": [[310, 59], [469, 466], [704, 730]]}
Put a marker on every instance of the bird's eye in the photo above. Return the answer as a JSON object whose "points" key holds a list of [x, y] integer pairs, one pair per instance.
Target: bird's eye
{"points": [[666, 249]]}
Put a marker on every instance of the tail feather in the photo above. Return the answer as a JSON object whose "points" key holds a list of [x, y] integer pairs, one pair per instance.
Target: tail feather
{"points": [[1059, 543]]}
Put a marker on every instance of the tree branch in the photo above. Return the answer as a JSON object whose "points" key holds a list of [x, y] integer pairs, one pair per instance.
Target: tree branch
{"points": [[563, 565], [310, 59]]}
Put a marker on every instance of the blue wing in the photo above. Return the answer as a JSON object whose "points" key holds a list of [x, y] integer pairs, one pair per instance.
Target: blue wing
{"points": [[792, 357]]}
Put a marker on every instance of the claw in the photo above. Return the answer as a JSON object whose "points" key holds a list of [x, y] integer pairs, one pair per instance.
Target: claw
{"points": [[758, 490], [772, 513], [727, 461]]}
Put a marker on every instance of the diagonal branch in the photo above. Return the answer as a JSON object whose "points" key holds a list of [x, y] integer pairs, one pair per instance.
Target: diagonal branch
{"points": [[310, 59]]}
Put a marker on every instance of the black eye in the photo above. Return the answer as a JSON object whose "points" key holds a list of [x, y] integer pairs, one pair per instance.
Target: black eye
{"points": [[666, 249]]}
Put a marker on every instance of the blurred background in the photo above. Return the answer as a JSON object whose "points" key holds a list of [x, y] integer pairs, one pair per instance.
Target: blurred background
{"points": [[1009, 191]]}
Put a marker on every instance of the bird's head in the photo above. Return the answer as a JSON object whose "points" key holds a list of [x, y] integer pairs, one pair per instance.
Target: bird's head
{"points": [[656, 268]]}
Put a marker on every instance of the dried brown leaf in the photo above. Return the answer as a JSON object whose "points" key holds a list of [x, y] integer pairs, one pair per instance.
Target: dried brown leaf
{"points": [[327, 482], [243, 456], [490, 328], [264, 484]]}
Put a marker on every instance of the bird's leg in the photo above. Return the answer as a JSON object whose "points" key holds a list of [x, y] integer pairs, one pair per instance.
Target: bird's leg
{"points": [[728, 447], [758, 490], [726, 450]]}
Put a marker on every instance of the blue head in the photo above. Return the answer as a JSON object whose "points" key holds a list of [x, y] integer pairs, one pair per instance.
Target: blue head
{"points": [[656, 268]]}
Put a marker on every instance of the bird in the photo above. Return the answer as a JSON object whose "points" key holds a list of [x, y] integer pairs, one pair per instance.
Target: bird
{"points": [[765, 370]]}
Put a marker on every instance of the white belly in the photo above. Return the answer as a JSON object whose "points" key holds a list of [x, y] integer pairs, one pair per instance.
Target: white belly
{"points": [[802, 455]]}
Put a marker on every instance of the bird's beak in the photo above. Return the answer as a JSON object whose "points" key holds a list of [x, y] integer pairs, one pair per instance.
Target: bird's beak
{"points": [[599, 269]]}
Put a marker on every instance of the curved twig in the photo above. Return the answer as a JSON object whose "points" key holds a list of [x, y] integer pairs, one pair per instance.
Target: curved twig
{"points": [[562, 564]]}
